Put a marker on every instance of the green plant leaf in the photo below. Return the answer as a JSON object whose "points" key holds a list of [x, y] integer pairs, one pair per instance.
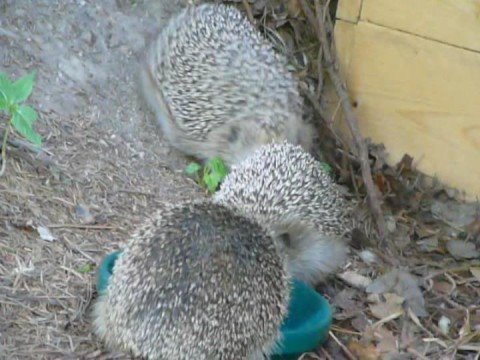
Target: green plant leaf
{"points": [[193, 168], [326, 167], [210, 182], [214, 173], [22, 88], [28, 113], [218, 166], [24, 125], [5, 89], [85, 268]]}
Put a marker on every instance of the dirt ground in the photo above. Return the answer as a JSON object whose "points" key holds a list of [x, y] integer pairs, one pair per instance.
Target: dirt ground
{"points": [[109, 167], [105, 166]]}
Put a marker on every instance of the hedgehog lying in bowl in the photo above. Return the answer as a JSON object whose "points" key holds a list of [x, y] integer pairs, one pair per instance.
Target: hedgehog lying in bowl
{"points": [[199, 281]]}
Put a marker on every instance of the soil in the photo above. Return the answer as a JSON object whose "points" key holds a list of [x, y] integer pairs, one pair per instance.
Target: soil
{"points": [[105, 166], [108, 169]]}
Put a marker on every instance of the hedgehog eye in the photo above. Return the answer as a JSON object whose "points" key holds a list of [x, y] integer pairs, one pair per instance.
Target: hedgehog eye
{"points": [[285, 238], [233, 134]]}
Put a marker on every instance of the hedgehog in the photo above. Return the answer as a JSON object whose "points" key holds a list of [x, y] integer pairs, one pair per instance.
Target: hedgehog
{"points": [[218, 88], [289, 193], [196, 281]]}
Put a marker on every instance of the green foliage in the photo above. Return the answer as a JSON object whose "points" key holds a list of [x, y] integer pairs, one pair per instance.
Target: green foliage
{"points": [[21, 117], [212, 175], [193, 168], [326, 167], [85, 268]]}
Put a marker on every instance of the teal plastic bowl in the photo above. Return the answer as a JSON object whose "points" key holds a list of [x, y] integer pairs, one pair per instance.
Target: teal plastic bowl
{"points": [[104, 271], [305, 328], [307, 324]]}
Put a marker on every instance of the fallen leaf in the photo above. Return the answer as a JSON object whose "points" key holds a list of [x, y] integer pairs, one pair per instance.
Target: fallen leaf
{"points": [[474, 228], [387, 342], [442, 287], [475, 272], [391, 305], [401, 236], [45, 233], [82, 213], [403, 284], [344, 300], [360, 322], [444, 325], [429, 244], [406, 164], [354, 279], [460, 249], [454, 213], [363, 351], [368, 257]]}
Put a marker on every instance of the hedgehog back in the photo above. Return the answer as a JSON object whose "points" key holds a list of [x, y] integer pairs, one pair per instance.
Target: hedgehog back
{"points": [[197, 282], [282, 181], [214, 67]]}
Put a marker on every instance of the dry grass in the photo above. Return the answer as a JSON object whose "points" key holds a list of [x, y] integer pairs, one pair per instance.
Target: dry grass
{"points": [[110, 159]]}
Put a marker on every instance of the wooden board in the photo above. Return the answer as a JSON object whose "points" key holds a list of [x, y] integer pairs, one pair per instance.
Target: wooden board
{"points": [[416, 96], [454, 22], [349, 10]]}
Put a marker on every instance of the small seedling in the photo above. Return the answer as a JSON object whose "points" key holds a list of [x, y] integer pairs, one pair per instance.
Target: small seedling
{"points": [[20, 117], [212, 175], [84, 269]]}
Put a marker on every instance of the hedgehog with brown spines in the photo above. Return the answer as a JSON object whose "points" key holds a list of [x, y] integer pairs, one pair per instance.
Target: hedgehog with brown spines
{"points": [[196, 281], [218, 88], [287, 191]]}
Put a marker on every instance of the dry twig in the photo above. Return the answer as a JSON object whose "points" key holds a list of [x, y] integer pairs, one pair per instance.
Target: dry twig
{"points": [[248, 9], [347, 352], [322, 27]]}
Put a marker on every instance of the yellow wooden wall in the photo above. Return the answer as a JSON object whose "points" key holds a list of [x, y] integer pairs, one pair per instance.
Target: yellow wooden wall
{"points": [[413, 69]]}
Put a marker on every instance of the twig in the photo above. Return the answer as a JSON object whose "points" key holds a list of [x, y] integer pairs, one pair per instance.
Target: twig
{"points": [[248, 9], [320, 25], [343, 347], [79, 226], [416, 353], [326, 354], [4, 150], [313, 100], [23, 145]]}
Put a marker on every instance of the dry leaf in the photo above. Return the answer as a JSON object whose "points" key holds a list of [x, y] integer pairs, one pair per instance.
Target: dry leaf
{"points": [[454, 213], [45, 233], [82, 213], [442, 287], [444, 325], [475, 272], [391, 305], [354, 279], [403, 284], [462, 250], [360, 322], [429, 244], [363, 351], [387, 342]]}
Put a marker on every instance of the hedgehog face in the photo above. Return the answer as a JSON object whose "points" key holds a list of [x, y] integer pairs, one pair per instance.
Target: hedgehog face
{"points": [[244, 138]]}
